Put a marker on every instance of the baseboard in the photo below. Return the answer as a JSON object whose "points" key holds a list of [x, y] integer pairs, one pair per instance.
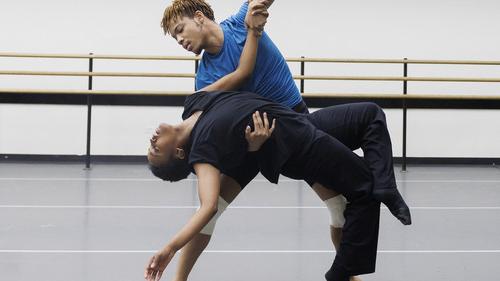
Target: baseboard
{"points": [[133, 159], [140, 159], [447, 161]]}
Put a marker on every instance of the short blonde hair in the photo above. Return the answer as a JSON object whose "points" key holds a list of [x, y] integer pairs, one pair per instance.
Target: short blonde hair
{"points": [[184, 8]]}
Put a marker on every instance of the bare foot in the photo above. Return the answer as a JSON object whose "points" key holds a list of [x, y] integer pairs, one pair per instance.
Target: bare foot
{"points": [[354, 278]]}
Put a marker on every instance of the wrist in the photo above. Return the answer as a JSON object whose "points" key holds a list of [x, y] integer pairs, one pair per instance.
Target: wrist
{"points": [[170, 247], [256, 32], [253, 148]]}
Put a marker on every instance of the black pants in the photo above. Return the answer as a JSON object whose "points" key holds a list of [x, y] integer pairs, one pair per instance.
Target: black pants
{"points": [[356, 125], [361, 125], [335, 166]]}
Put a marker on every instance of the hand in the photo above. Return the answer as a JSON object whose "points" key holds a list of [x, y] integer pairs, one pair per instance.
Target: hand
{"points": [[267, 3], [158, 263], [261, 133], [256, 17]]}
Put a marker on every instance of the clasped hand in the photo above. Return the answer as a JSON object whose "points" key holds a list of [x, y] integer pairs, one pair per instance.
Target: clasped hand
{"points": [[261, 131], [257, 15]]}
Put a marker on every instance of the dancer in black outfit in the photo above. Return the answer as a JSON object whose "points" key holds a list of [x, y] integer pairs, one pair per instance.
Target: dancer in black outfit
{"points": [[211, 141]]}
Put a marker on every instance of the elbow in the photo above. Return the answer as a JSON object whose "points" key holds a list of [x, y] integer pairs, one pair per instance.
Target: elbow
{"points": [[213, 210], [243, 76], [210, 209]]}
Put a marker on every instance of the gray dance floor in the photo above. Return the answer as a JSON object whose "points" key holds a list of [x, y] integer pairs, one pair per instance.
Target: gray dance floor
{"points": [[61, 222]]}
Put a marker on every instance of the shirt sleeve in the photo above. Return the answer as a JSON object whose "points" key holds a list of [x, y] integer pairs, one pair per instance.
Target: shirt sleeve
{"points": [[204, 152], [201, 81], [239, 17]]}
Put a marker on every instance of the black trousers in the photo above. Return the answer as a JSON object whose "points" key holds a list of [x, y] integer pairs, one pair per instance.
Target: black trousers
{"points": [[357, 125], [361, 125], [332, 163], [335, 166]]}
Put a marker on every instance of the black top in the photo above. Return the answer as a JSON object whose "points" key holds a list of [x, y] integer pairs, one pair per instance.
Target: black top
{"points": [[218, 137]]}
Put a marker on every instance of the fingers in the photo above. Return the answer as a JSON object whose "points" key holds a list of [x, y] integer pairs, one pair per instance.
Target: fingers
{"points": [[158, 275], [266, 122], [272, 127], [259, 119], [147, 271], [261, 126], [248, 132], [152, 263], [267, 3], [257, 6], [255, 121], [260, 12]]}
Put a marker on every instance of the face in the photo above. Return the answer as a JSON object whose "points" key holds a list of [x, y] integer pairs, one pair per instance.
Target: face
{"points": [[162, 145], [189, 33]]}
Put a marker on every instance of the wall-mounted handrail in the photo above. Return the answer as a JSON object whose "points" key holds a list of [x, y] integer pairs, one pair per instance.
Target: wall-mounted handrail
{"points": [[450, 97], [403, 97], [290, 59], [297, 77]]}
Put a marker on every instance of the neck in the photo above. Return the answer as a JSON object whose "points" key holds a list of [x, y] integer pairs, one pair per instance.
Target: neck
{"points": [[184, 129], [215, 39]]}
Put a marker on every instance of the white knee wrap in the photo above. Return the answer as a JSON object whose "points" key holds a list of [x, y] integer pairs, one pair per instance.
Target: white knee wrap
{"points": [[221, 206], [336, 207]]}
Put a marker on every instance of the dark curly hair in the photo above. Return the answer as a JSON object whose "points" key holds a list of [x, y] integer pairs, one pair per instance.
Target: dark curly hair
{"points": [[174, 170]]}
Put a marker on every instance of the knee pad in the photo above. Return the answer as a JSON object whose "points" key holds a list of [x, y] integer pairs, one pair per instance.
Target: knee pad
{"points": [[221, 206], [336, 207]]}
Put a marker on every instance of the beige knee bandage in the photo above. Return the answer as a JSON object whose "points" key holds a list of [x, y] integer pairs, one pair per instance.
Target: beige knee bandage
{"points": [[336, 207], [221, 206]]}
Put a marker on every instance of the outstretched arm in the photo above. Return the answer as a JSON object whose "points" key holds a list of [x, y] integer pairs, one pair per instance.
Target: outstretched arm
{"points": [[229, 189], [208, 190], [255, 21]]}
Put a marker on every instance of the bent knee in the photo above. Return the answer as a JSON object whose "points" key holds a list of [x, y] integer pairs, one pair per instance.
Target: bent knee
{"points": [[323, 192], [374, 110]]}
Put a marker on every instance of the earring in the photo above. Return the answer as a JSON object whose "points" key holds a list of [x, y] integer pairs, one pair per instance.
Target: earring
{"points": [[180, 153]]}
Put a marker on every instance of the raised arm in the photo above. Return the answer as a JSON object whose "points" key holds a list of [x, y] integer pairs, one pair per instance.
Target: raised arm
{"points": [[208, 190], [255, 20]]}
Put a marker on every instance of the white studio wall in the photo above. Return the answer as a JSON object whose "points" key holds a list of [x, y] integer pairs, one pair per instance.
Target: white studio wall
{"points": [[343, 29]]}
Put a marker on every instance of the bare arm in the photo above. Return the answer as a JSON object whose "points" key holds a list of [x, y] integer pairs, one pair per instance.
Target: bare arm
{"points": [[229, 190], [255, 21], [243, 72], [208, 190]]}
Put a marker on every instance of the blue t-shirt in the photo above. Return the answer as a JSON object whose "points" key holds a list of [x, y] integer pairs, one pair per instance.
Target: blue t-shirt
{"points": [[271, 77]]}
